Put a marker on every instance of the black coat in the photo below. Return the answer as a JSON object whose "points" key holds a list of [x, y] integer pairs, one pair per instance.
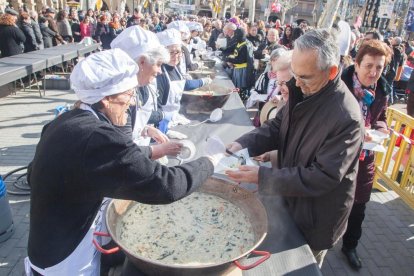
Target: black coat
{"points": [[103, 35], [79, 160], [30, 44], [366, 170], [11, 38], [47, 34], [38, 33], [255, 40], [318, 152], [213, 38]]}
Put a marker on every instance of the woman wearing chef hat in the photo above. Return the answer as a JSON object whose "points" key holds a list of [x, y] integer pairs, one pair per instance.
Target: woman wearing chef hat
{"points": [[82, 158], [171, 84], [143, 47], [186, 62]]}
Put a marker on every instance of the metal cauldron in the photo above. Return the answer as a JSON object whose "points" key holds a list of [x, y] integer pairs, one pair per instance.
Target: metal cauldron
{"points": [[242, 198], [195, 102]]}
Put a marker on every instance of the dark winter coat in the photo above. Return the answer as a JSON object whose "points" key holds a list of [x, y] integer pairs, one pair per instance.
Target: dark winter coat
{"points": [[48, 35], [79, 160], [38, 34], [76, 31], [213, 38], [318, 151], [11, 37], [258, 54], [53, 26], [378, 108], [30, 44], [103, 35], [255, 40]]}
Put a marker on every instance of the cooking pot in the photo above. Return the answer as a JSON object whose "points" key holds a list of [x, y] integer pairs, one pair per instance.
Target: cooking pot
{"points": [[245, 200], [205, 99], [209, 63]]}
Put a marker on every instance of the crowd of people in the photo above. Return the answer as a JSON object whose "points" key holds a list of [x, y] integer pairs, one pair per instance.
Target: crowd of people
{"points": [[310, 74]]}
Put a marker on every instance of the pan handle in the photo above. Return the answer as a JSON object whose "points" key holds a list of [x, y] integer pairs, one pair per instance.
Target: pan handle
{"points": [[265, 254], [99, 248]]}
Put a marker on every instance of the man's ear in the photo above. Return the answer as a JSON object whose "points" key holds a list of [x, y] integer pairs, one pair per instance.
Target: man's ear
{"points": [[333, 71]]}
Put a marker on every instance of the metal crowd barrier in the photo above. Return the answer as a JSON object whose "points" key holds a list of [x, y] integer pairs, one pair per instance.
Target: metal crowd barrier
{"points": [[395, 167]]}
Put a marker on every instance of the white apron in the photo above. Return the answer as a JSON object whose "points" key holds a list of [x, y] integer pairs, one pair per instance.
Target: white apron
{"points": [[142, 116], [182, 65], [175, 93], [85, 259]]}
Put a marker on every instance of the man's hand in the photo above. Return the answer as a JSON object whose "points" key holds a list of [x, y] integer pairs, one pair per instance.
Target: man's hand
{"points": [[247, 174], [265, 157]]}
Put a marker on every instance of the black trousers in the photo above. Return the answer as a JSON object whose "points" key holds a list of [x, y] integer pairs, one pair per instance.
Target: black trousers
{"points": [[354, 229]]}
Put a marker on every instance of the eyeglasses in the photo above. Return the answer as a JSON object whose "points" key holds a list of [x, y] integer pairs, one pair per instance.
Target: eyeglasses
{"points": [[131, 93], [306, 79], [174, 53]]}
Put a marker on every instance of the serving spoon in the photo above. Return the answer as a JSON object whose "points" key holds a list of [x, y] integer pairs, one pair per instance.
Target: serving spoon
{"points": [[215, 116]]}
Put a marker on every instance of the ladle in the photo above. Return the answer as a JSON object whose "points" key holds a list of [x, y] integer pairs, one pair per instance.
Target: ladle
{"points": [[215, 116]]}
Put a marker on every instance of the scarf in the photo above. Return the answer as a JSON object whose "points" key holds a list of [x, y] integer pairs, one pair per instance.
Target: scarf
{"points": [[365, 97], [272, 76]]}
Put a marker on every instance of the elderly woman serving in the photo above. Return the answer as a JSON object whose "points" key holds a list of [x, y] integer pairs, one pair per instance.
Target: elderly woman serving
{"points": [[171, 84], [143, 47], [83, 157]]}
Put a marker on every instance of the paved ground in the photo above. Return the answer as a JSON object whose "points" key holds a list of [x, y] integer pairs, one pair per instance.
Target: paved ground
{"points": [[386, 248]]}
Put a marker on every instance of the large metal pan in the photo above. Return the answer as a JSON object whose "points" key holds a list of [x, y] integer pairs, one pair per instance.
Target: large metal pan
{"points": [[242, 198], [205, 99]]}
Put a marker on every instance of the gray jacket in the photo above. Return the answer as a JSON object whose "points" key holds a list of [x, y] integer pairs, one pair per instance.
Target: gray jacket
{"points": [[318, 139], [38, 34]]}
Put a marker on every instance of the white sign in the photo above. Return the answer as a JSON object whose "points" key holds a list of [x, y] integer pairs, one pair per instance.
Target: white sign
{"points": [[182, 6], [385, 11]]}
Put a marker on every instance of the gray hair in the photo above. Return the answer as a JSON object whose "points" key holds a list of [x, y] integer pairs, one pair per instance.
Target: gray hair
{"points": [[284, 61], [230, 26], [322, 41], [156, 54], [276, 54], [33, 14]]}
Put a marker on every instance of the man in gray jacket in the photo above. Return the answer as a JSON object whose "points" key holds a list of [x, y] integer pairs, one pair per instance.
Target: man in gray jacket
{"points": [[318, 135]]}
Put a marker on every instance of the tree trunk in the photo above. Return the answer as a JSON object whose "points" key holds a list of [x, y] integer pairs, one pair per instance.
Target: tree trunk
{"points": [[283, 16], [233, 7], [328, 15], [213, 12], [252, 10]]}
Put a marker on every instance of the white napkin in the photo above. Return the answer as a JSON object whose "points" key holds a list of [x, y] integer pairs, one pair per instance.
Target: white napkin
{"points": [[230, 163]]}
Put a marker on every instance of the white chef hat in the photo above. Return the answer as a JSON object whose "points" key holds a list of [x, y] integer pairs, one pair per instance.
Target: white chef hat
{"points": [[135, 41], [344, 38], [103, 74], [180, 26], [195, 26], [169, 37]]}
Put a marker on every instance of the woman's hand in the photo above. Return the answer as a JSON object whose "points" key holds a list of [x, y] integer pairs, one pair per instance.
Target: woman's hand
{"points": [[247, 174], [170, 148], [157, 135]]}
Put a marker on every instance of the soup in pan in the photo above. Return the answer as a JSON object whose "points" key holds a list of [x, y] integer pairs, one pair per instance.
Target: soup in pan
{"points": [[199, 229]]}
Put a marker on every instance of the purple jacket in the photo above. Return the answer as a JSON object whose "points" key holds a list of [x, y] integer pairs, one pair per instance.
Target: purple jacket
{"points": [[366, 169]]}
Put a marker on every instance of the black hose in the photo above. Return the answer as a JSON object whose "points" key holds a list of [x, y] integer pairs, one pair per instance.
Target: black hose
{"points": [[21, 190]]}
